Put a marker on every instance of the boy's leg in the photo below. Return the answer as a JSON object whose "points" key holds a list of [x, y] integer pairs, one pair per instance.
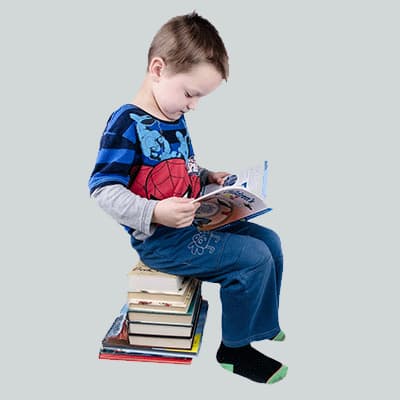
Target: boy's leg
{"points": [[242, 264], [245, 269], [242, 360], [269, 237]]}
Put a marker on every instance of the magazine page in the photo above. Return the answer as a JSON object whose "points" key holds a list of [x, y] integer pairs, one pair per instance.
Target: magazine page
{"points": [[253, 179], [228, 205], [242, 199]]}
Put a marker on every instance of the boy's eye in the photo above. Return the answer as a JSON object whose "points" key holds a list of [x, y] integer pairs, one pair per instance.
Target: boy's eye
{"points": [[188, 94]]}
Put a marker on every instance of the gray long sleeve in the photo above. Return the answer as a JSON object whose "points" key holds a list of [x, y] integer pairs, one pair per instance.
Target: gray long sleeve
{"points": [[127, 208], [130, 209]]}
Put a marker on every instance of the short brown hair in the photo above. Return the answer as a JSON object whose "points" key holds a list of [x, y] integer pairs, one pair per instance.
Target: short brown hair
{"points": [[187, 40]]}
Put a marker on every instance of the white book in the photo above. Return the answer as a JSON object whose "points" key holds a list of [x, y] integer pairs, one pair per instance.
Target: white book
{"points": [[146, 279], [189, 286]]}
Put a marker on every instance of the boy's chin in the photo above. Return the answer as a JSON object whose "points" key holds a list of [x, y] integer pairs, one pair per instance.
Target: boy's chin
{"points": [[174, 116]]}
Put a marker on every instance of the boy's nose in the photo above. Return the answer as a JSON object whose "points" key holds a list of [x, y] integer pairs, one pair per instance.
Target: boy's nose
{"points": [[192, 105]]}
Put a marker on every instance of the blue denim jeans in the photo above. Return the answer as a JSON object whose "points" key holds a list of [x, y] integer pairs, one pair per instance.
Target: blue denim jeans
{"points": [[244, 258]]}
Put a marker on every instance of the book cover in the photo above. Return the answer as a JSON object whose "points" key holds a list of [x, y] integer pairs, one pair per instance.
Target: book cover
{"points": [[168, 299], [144, 278], [243, 196]]}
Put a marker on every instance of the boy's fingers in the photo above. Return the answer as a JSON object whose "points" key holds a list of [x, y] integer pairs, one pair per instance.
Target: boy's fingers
{"points": [[182, 199], [187, 204]]}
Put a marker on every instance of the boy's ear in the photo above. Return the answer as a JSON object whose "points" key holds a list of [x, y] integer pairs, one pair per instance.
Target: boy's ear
{"points": [[156, 68]]}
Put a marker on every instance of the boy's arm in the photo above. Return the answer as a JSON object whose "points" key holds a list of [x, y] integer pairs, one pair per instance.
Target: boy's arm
{"points": [[126, 208], [142, 214]]}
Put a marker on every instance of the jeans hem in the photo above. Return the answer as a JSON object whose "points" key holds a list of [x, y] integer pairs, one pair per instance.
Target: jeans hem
{"points": [[260, 336]]}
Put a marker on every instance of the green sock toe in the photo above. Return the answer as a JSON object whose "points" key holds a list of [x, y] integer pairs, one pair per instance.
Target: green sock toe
{"points": [[280, 337], [278, 375], [228, 367]]}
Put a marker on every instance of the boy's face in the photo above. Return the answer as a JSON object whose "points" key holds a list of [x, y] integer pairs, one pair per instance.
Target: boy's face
{"points": [[177, 93]]}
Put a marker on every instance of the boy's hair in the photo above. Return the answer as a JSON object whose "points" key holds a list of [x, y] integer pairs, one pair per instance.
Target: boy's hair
{"points": [[187, 40]]}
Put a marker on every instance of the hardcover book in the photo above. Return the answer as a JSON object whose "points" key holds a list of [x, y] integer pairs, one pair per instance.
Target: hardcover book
{"points": [[241, 197], [137, 328]]}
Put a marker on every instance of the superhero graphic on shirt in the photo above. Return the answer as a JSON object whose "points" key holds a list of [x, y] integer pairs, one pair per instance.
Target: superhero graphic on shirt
{"points": [[169, 168]]}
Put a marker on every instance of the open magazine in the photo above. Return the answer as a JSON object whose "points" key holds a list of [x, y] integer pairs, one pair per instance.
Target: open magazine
{"points": [[242, 196]]}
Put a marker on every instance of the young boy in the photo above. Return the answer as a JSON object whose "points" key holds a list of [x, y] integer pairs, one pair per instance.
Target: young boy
{"points": [[146, 176]]}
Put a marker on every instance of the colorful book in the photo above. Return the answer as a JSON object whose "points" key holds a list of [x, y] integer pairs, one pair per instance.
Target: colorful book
{"points": [[241, 197], [112, 355], [116, 339]]}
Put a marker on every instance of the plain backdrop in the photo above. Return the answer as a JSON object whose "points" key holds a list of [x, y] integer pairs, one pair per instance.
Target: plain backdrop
{"points": [[314, 89]]}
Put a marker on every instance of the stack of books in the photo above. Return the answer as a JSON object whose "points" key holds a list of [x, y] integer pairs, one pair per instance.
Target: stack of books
{"points": [[162, 321]]}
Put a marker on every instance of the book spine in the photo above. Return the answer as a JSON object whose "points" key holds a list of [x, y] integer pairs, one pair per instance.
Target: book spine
{"points": [[258, 213]]}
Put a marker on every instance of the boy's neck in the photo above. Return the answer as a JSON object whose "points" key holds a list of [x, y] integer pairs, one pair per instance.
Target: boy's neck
{"points": [[145, 99]]}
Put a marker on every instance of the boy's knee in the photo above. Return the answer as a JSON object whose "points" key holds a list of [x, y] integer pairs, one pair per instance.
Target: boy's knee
{"points": [[273, 241], [255, 253], [273, 238], [256, 266], [253, 267]]}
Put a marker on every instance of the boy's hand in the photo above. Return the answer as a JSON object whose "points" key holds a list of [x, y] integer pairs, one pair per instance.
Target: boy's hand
{"points": [[217, 177], [175, 212]]}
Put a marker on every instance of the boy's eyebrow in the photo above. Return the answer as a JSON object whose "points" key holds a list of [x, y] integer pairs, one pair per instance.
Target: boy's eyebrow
{"points": [[194, 92]]}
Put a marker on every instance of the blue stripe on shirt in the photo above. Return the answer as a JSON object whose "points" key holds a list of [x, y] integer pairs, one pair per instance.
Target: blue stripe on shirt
{"points": [[122, 156], [100, 179]]}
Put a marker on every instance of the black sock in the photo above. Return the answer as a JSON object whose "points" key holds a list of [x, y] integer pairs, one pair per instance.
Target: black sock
{"points": [[250, 363]]}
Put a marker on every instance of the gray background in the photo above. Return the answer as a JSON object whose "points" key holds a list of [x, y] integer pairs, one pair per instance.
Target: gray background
{"points": [[314, 88]]}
